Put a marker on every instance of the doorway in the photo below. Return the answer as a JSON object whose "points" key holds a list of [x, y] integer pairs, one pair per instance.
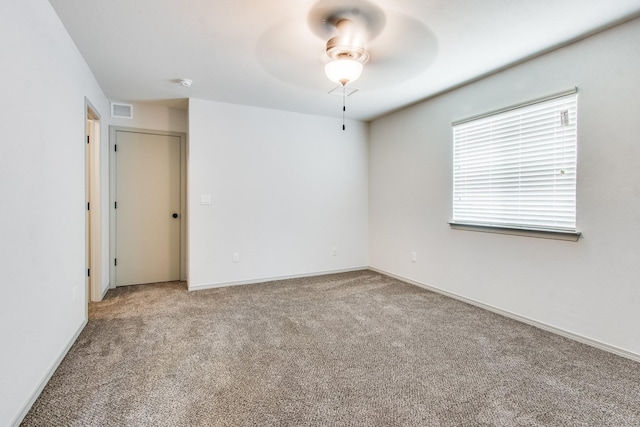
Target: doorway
{"points": [[148, 204], [93, 246]]}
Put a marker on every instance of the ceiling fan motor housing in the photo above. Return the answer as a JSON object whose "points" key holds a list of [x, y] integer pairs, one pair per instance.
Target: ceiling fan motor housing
{"points": [[336, 49], [347, 45]]}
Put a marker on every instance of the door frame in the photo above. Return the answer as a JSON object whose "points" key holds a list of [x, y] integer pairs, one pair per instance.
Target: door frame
{"points": [[93, 190], [113, 196]]}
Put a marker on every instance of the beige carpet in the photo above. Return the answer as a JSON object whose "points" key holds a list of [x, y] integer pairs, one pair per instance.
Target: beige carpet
{"points": [[353, 349]]}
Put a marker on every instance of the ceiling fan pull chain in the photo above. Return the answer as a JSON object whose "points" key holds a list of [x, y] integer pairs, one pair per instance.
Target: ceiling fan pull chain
{"points": [[344, 108]]}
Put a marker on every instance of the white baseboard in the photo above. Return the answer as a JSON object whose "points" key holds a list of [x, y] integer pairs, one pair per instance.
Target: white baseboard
{"points": [[271, 279], [45, 379], [537, 324]]}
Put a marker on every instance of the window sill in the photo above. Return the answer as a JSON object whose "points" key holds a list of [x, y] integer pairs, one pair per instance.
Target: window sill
{"points": [[570, 236]]}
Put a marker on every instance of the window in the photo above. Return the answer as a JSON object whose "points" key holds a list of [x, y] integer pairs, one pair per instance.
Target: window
{"points": [[516, 169]]}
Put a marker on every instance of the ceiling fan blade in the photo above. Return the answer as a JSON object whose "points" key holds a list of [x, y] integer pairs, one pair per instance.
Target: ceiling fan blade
{"points": [[288, 51], [404, 50]]}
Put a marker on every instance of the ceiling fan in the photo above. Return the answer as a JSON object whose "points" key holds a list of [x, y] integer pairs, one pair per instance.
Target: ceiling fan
{"points": [[358, 31], [340, 37], [350, 27]]}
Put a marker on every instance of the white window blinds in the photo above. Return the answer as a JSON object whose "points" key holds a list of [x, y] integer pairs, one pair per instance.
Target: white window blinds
{"points": [[517, 168]]}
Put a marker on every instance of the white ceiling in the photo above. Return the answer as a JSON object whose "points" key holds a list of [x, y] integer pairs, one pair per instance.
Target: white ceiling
{"points": [[267, 53]]}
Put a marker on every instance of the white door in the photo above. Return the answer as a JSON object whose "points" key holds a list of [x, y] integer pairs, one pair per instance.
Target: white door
{"points": [[147, 208]]}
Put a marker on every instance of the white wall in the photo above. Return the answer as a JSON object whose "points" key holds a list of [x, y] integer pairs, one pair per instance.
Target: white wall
{"points": [[286, 189], [589, 288], [42, 182]]}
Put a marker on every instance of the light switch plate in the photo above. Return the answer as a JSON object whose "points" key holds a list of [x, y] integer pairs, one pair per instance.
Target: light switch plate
{"points": [[205, 199]]}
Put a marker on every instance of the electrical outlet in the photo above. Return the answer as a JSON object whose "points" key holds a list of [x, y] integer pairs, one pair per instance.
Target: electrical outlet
{"points": [[235, 257], [334, 251], [414, 257]]}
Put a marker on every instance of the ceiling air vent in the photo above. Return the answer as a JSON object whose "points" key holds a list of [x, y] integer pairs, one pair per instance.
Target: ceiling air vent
{"points": [[121, 111]]}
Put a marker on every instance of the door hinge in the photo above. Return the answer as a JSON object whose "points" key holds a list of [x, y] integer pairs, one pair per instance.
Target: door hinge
{"points": [[115, 261], [88, 272], [115, 205], [88, 206], [115, 147], [88, 139]]}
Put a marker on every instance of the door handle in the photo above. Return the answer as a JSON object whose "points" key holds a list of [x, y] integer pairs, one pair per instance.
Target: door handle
{"points": [[175, 215]]}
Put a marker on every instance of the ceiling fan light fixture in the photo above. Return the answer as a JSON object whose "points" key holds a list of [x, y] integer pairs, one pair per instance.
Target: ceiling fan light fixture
{"points": [[343, 71]]}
